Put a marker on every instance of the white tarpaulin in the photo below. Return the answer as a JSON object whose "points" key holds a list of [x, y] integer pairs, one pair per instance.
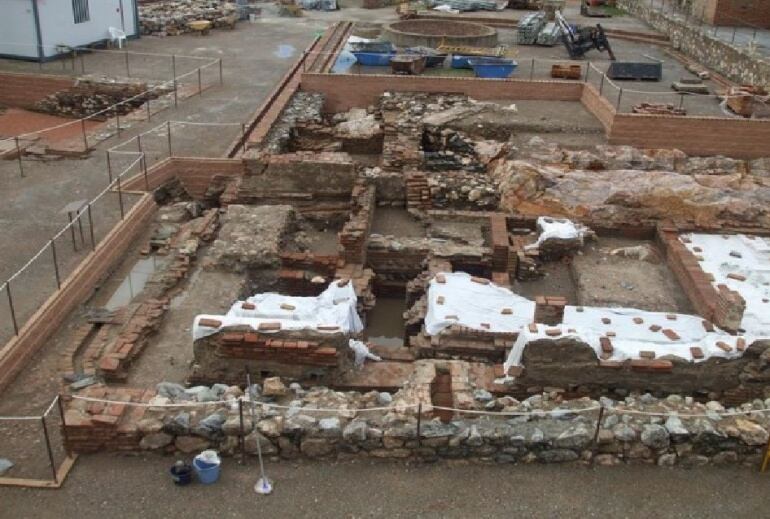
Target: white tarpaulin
{"points": [[632, 331], [336, 306], [562, 229], [744, 256], [462, 301]]}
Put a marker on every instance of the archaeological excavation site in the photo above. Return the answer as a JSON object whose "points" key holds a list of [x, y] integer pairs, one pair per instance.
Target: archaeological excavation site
{"points": [[537, 269]]}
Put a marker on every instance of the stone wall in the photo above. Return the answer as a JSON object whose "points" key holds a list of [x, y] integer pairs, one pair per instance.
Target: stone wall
{"points": [[548, 429], [732, 61]]}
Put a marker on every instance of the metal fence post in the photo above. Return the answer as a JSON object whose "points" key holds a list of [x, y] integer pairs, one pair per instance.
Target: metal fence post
{"points": [[18, 156], [168, 132], [63, 426], [243, 138], [241, 436], [173, 72], [681, 101], [144, 170], [601, 85], [620, 96], [109, 167], [532, 70], [55, 264], [128, 69], [85, 137], [91, 227], [200, 85], [221, 77], [10, 306], [735, 29], [588, 70], [139, 142], [419, 424], [596, 432], [120, 200], [48, 448]]}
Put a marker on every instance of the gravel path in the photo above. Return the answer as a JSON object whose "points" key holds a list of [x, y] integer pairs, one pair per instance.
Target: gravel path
{"points": [[102, 485]]}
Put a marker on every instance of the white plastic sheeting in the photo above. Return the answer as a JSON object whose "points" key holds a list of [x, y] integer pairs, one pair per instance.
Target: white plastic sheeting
{"points": [[361, 352], [467, 303], [554, 228], [631, 337], [336, 306], [746, 256]]}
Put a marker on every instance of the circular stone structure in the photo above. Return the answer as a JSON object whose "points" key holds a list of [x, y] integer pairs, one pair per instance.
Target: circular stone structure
{"points": [[432, 33]]}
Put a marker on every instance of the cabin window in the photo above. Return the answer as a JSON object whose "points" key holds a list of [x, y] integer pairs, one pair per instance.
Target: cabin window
{"points": [[80, 11]]}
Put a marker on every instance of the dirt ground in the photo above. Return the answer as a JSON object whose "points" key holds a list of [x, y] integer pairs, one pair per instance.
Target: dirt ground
{"points": [[102, 486], [604, 279]]}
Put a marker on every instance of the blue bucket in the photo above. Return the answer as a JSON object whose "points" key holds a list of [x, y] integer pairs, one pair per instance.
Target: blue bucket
{"points": [[207, 473], [493, 67]]}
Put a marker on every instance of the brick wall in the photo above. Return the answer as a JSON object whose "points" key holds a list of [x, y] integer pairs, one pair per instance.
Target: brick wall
{"points": [[598, 106], [345, 91], [720, 305], [195, 174], [74, 291], [740, 13], [24, 90], [738, 138]]}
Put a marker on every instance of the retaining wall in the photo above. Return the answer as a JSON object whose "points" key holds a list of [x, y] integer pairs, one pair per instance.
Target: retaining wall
{"points": [[732, 61], [24, 90], [346, 91], [195, 174]]}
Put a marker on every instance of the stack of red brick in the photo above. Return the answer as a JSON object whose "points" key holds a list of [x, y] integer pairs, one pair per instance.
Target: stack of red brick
{"points": [[132, 339], [252, 345]]}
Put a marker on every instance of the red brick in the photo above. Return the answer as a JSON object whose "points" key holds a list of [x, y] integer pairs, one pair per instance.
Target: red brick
{"points": [[696, 352]]}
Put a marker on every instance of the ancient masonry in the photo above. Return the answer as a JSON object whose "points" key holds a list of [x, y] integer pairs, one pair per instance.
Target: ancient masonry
{"points": [[552, 304]]}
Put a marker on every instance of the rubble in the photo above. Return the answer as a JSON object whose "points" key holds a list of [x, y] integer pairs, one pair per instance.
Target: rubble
{"points": [[92, 94], [171, 17]]}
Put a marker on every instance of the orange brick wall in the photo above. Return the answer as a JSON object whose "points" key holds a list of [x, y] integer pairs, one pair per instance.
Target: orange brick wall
{"points": [[345, 91], [24, 90], [74, 291], [195, 174], [740, 13], [738, 138]]}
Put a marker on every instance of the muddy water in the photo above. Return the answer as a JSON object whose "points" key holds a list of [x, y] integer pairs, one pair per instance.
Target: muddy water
{"points": [[134, 282], [385, 322]]}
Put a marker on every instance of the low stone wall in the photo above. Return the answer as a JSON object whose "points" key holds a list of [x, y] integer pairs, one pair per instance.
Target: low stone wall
{"points": [[546, 430], [730, 60]]}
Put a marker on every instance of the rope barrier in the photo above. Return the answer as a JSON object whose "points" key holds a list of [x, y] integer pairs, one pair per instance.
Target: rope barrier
{"points": [[40, 417], [536, 412], [241, 399]]}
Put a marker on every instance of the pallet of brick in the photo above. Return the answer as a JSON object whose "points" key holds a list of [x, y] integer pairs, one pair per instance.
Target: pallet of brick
{"points": [[658, 109], [566, 71]]}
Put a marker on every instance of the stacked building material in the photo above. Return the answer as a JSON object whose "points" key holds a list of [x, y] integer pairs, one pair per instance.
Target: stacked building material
{"points": [[658, 109]]}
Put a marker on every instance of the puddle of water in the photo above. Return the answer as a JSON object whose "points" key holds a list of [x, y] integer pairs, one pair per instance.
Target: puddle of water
{"points": [[285, 51], [385, 322], [134, 282]]}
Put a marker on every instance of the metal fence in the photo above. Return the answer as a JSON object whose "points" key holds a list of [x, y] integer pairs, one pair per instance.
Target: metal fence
{"points": [[740, 32], [187, 76]]}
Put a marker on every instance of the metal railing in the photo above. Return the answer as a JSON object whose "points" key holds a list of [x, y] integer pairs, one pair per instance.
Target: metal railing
{"points": [[206, 74]]}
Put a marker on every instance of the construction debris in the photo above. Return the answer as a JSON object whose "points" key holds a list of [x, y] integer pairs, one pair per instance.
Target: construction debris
{"points": [[658, 109]]}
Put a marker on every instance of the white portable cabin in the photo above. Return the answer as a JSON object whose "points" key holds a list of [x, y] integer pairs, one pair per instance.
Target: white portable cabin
{"points": [[41, 29]]}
